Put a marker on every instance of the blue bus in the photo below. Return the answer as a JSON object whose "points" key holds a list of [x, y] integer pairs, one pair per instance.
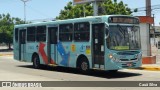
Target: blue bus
{"points": [[109, 42]]}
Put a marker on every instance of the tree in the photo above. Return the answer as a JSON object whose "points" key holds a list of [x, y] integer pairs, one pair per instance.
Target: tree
{"points": [[113, 7], [108, 7], [6, 28]]}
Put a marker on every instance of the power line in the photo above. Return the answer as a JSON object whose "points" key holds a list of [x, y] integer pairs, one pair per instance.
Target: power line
{"points": [[37, 11], [153, 7]]}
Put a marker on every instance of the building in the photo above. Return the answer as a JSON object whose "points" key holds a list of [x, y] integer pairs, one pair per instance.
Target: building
{"points": [[145, 32]]}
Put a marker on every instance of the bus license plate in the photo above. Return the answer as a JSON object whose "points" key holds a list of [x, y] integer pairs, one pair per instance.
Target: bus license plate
{"points": [[129, 64]]}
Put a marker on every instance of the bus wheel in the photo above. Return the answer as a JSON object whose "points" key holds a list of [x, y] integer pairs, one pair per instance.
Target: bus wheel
{"points": [[36, 62], [84, 66]]}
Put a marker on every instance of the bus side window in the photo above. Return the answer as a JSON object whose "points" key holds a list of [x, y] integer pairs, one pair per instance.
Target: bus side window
{"points": [[41, 33], [31, 34], [82, 31], [66, 32]]}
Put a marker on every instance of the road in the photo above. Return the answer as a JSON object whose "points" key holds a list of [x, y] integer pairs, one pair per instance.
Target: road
{"points": [[12, 70]]}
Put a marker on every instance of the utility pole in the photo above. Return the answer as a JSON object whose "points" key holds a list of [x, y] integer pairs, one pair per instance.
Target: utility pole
{"points": [[84, 13], [24, 1], [94, 3], [154, 36], [148, 8], [95, 8]]}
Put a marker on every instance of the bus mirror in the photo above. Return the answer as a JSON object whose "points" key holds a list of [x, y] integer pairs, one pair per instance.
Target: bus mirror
{"points": [[107, 33], [106, 25]]}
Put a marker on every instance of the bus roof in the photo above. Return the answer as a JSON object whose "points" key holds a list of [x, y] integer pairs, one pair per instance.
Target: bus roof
{"points": [[82, 19]]}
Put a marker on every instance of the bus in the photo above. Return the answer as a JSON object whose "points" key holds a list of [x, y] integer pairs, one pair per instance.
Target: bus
{"points": [[109, 42]]}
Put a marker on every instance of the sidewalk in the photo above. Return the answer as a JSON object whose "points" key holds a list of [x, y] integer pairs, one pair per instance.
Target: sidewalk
{"points": [[150, 67], [4, 51], [153, 67]]}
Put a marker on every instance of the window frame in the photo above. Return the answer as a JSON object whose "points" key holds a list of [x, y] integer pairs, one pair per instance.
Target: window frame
{"points": [[33, 34], [76, 31], [68, 34], [41, 34]]}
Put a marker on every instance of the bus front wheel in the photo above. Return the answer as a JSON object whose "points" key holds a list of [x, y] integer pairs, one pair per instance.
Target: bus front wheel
{"points": [[36, 62]]}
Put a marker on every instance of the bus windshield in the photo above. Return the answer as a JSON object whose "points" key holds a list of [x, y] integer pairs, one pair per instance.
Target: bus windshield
{"points": [[123, 38]]}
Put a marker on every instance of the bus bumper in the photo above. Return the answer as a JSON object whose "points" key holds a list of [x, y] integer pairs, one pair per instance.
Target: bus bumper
{"points": [[122, 65]]}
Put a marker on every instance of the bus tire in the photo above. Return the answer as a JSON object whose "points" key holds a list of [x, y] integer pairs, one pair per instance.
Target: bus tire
{"points": [[84, 66], [36, 62]]}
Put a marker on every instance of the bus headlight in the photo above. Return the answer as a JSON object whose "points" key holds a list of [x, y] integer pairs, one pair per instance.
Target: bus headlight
{"points": [[110, 56], [140, 56], [136, 56], [113, 58]]}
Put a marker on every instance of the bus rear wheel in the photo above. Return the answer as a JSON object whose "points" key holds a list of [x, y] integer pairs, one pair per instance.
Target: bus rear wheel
{"points": [[36, 62]]}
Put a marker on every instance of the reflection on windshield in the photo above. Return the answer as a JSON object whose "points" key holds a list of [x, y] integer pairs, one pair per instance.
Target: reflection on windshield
{"points": [[123, 38]]}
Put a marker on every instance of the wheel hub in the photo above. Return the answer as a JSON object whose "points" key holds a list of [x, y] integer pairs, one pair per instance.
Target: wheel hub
{"points": [[84, 66]]}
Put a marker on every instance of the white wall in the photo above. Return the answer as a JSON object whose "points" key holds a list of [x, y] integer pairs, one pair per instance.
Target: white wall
{"points": [[145, 40]]}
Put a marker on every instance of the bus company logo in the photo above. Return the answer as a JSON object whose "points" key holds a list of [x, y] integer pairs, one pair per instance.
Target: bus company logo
{"points": [[21, 84], [82, 48], [6, 84]]}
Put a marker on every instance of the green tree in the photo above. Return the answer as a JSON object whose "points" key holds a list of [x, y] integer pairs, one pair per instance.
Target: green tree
{"points": [[108, 7], [113, 7], [6, 28]]}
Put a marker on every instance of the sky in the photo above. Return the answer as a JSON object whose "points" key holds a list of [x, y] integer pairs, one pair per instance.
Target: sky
{"points": [[49, 9]]}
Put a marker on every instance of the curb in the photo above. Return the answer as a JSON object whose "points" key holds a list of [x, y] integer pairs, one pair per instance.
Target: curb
{"points": [[6, 54], [149, 68]]}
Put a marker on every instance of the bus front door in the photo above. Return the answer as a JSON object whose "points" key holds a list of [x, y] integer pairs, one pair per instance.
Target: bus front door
{"points": [[52, 45], [98, 45], [22, 44]]}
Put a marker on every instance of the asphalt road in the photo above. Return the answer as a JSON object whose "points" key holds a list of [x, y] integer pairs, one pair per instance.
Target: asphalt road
{"points": [[12, 70]]}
